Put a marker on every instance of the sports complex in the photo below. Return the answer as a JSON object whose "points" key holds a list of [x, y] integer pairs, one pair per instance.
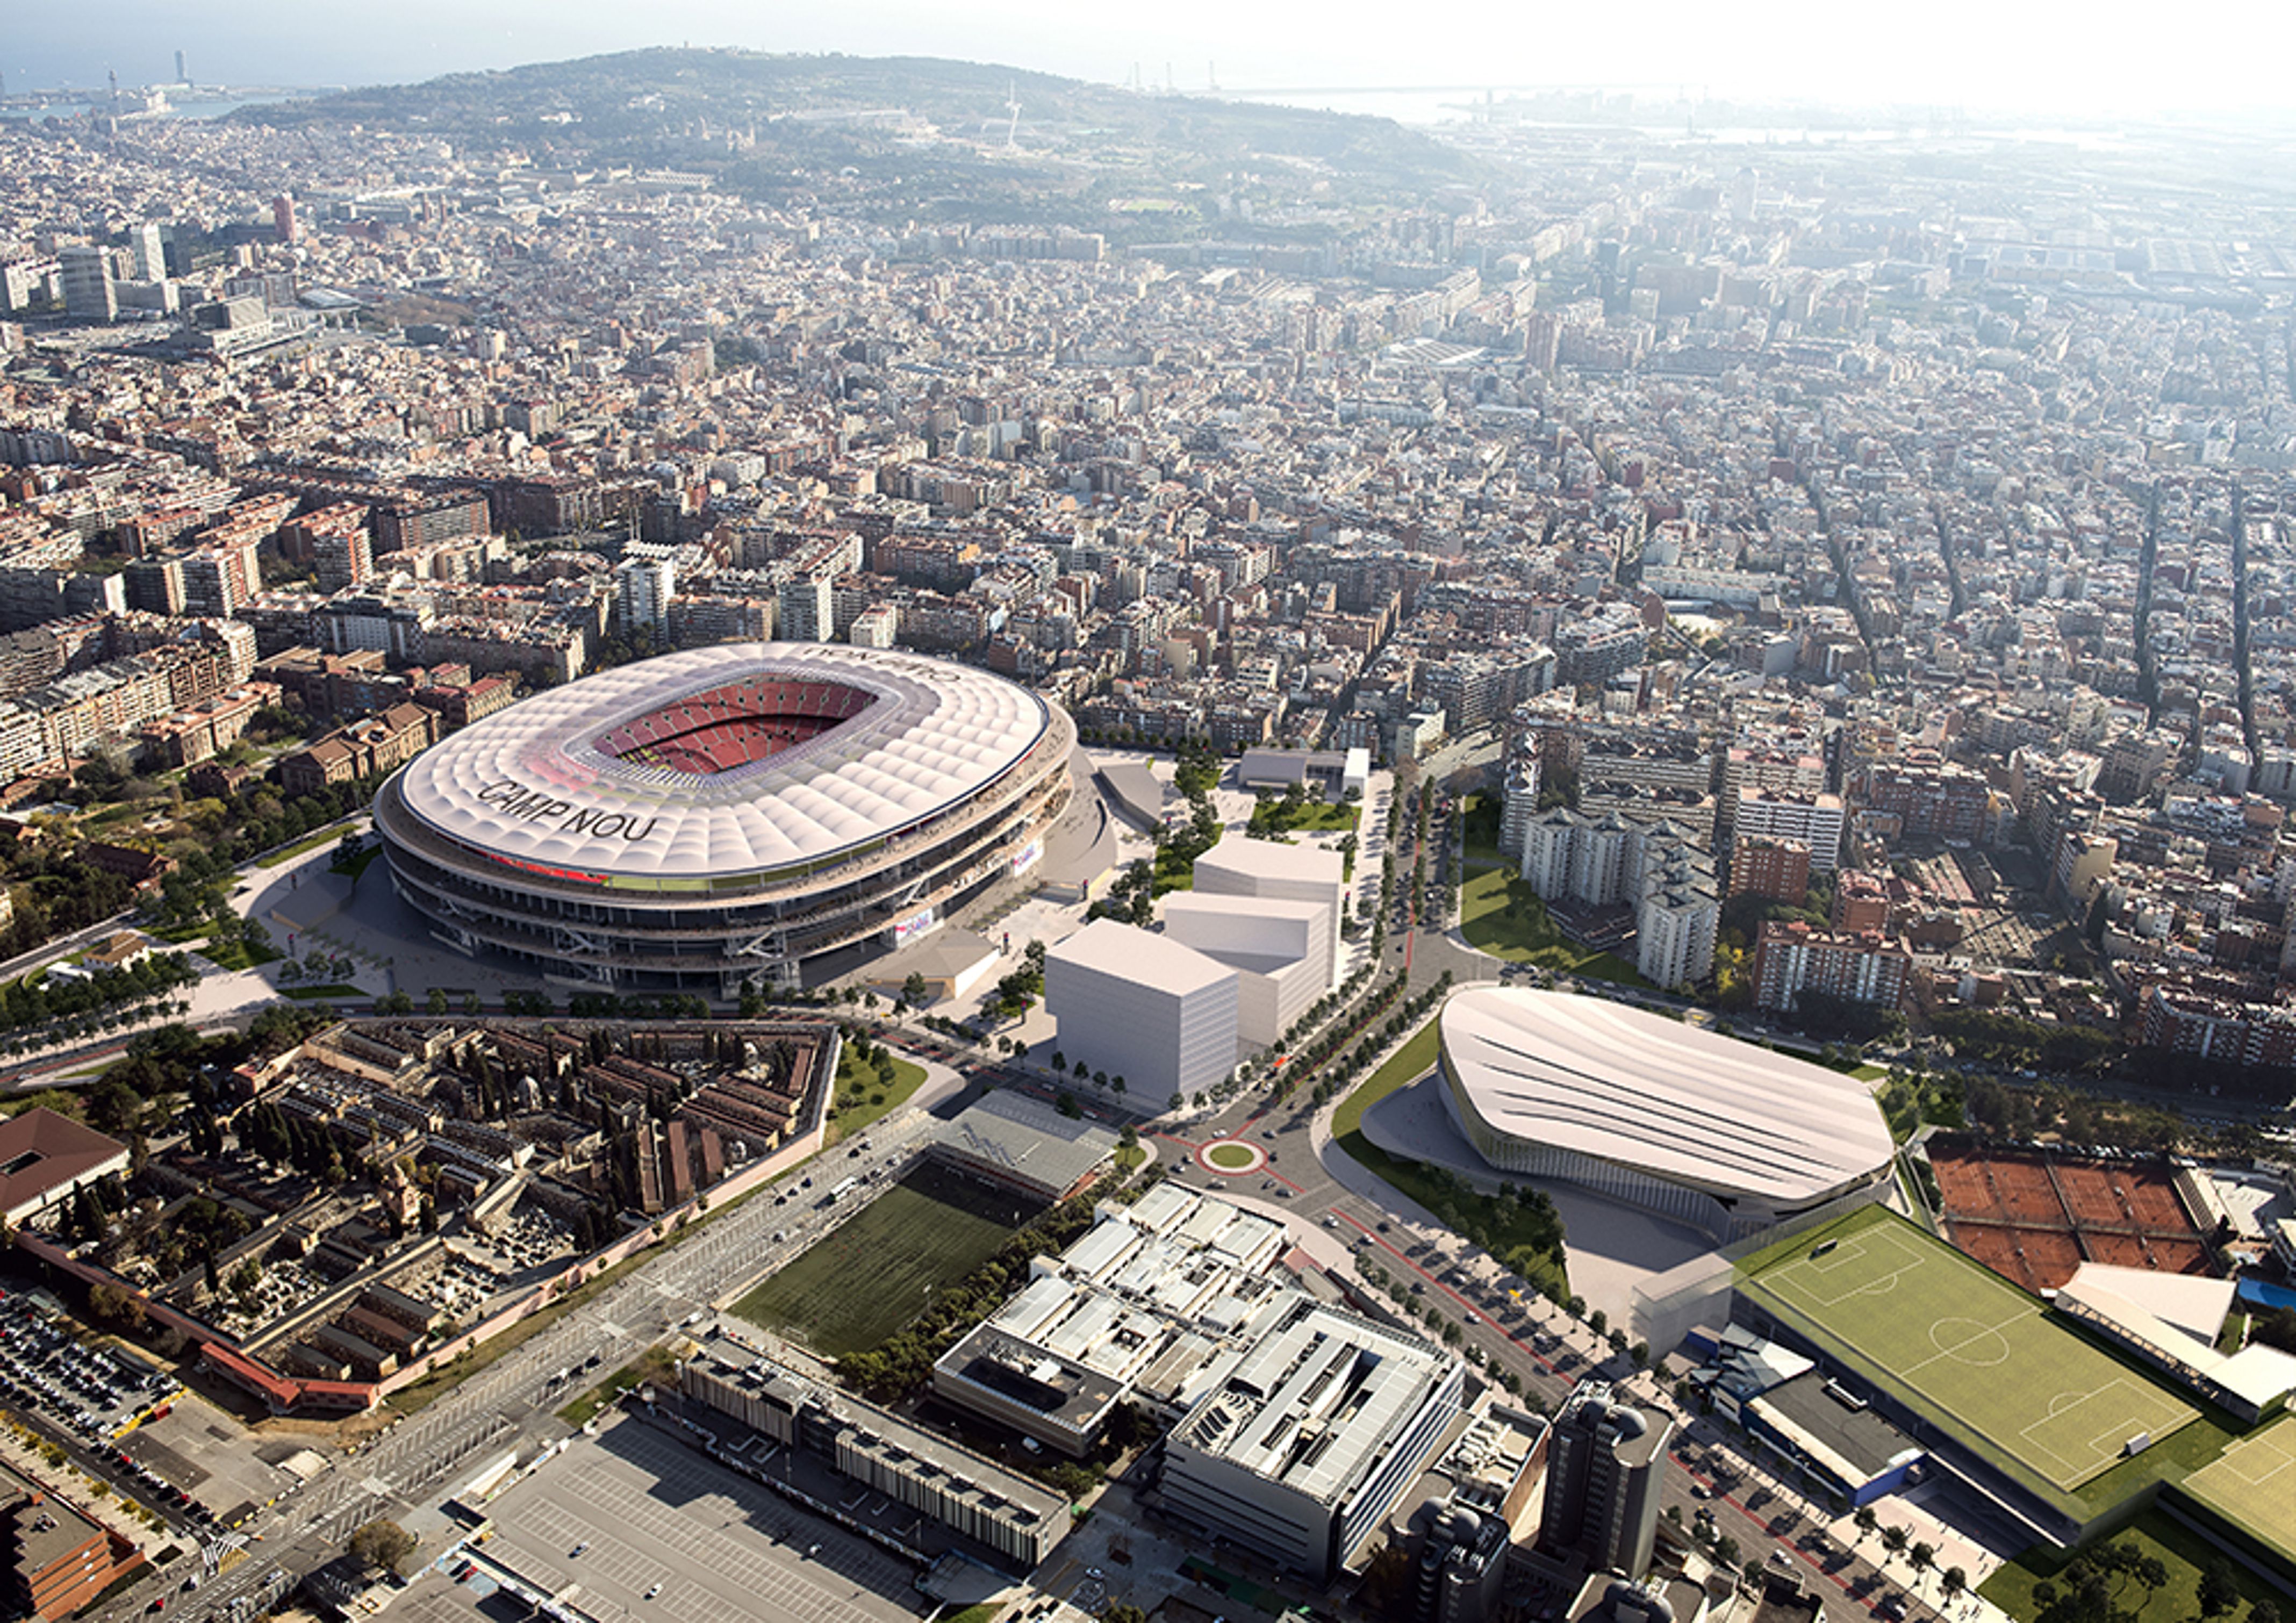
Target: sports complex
{"points": [[1968, 1360], [718, 819], [1714, 1132]]}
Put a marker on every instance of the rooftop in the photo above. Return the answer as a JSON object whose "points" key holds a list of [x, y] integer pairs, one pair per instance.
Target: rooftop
{"points": [[1635, 1088], [1130, 953]]}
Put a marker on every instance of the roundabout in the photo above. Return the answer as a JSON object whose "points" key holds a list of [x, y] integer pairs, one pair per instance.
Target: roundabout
{"points": [[1231, 1157]]}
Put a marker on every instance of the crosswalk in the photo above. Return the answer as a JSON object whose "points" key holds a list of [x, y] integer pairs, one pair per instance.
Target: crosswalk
{"points": [[415, 1459]]}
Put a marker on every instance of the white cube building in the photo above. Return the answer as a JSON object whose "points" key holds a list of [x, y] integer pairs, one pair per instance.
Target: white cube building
{"points": [[1143, 1006], [1280, 950], [1282, 873]]}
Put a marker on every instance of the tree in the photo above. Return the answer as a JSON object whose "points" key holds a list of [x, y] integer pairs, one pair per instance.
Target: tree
{"points": [[1866, 1521], [1894, 1539], [1923, 1557], [116, 1302], [914, 993], [2264, 1612], [2219, 1588], [1953, 1581], [382, 1543]]}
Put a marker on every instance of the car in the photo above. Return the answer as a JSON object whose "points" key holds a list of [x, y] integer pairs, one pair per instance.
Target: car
{"points": [[1698, 1490], [579, 1548], [653, 1591], [1094, 1574]]}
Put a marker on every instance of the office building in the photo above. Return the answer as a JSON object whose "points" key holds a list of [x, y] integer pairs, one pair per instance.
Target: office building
{"points": [[1302, 1448], [91, 290], [1001, 1511], [282, 218], [1144, 1007], [1284, 873], [1605, 1467], [1281, 951]]}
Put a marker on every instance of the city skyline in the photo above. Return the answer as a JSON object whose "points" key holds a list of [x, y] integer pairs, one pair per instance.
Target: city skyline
{"points": [[2024, 60]]}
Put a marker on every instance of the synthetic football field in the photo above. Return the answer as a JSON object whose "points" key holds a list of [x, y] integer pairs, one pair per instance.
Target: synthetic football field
{"points": [[2253, 1484], [879, 1269], [1955, 1337]]}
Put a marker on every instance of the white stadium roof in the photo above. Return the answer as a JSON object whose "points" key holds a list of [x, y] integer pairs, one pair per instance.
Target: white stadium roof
{"points": [[1639, 1090], [533, 785]]}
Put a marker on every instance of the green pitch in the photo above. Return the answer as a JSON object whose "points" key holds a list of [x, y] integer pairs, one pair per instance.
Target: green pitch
{"points": [[1952, 1337], [2252, 1485], [876, 1271]]}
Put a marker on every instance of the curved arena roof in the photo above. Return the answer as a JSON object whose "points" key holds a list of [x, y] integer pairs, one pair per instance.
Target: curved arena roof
{"points": [[1637, 1089], [614, 776]]}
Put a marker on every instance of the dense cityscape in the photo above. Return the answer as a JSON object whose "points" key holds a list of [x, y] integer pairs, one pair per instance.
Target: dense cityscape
{"points": [[865, 838]]}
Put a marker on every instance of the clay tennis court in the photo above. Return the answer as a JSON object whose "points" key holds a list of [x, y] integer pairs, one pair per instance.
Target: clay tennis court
{"points": [[2035, 1217]]}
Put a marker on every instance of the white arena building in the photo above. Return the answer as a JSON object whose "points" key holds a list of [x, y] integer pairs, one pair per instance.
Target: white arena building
{"points": [[712, 821], [1716, 1132]]}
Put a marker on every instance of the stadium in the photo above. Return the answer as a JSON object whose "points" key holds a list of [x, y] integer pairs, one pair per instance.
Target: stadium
{"points": [[717, 820], [1715, 1133]]}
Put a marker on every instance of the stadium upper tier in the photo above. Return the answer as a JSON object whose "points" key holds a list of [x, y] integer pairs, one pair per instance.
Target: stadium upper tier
{"points": [[1665, 1114], [717, 817]]}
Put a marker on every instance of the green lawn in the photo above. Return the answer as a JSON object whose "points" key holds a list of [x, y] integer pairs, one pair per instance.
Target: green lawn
{"points": [[1232, 1158], [1501, 916], [873, 1099], [877, 1271], [654, 1361], [1953, 1338], [2182, 1552], [1493, 1224], [308, 843], [234, 956]]}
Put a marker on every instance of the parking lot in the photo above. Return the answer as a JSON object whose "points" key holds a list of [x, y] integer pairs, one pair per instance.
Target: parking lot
{"points": [[227, 1470], [93, 1392], [665, 1536]]}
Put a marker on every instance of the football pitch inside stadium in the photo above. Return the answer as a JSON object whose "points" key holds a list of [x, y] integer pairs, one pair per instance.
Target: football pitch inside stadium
{"points": [[1947, 1335]]}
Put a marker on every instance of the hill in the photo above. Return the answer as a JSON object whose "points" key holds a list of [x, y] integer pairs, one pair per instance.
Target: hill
{"points": [[899, 138]]}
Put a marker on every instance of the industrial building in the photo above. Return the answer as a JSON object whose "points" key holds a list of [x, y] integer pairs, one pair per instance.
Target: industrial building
{"points": [[1021, 1143], [1303, 1447], [997, 1508], [1144, 1007]]}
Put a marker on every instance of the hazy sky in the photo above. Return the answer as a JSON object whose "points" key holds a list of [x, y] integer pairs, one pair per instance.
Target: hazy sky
{"points": [[2093, 60]]}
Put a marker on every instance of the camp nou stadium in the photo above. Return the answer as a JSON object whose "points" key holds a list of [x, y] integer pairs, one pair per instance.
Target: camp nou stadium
{"points": [[712, 821]]}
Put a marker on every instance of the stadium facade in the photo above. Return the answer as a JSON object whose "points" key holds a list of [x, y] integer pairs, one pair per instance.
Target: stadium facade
{"points": [[714, 820], [1715, 1133]]}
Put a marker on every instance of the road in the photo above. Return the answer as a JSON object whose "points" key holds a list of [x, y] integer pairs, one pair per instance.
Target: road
{"points": [[425, 1457]]}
